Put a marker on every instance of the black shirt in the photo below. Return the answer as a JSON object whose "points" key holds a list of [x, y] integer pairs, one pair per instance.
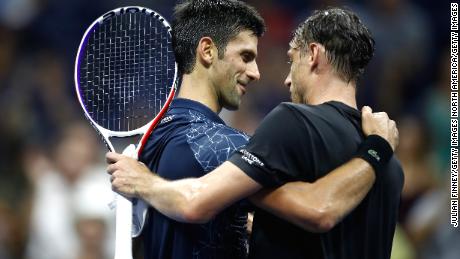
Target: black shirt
{"points": [[302, 142]]}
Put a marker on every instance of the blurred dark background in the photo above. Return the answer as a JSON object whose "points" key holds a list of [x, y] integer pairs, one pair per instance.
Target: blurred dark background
{"points": [[53, 189]]}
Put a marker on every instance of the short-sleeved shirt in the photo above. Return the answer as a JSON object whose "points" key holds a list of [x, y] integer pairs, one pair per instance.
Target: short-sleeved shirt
{"points": [[302, 142], [190, 141]]}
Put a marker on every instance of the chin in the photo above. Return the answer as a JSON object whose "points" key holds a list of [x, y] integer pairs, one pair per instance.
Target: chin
{"points": [[232, 106]]}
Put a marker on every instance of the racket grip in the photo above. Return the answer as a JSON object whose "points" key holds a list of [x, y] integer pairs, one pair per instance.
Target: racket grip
{"points": [[139, 207], [124, 213], [123, 242]]}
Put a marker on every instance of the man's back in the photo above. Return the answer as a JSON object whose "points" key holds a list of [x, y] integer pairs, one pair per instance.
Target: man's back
{"points": [[314, 141], [190, 141]]}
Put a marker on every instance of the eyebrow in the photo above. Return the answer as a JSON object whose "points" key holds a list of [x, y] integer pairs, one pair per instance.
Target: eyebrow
{"points": [[292, 44]]}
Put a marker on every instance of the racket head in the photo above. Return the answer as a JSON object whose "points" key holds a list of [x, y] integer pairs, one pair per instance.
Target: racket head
{"points": [[125, 72]]}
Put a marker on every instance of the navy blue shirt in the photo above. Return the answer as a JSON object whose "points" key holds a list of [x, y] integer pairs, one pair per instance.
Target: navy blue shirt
{"points": [[190, 141]]}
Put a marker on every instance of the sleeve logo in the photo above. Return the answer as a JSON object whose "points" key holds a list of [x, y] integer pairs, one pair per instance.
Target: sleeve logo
{"points": [[167, 119], [250, 158]]}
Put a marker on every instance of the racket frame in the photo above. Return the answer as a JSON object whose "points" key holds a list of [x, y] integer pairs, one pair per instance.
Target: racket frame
{"points": [[145, 130], [124, 207]]}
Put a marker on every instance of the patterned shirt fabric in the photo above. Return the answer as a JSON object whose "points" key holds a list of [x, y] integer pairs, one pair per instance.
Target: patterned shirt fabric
{"points": [[190, 141]]}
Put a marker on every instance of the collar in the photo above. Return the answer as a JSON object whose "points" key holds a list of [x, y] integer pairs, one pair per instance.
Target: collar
{"points": [[341, 106], [182, 103]]}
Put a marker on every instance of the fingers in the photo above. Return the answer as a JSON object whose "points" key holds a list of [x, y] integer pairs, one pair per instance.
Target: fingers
{"points": [[113, 157], [111, 168], [127, 175], [378, 123], [395, 132], [393, 124], [366, 110], [118, 185], [382, 115]]}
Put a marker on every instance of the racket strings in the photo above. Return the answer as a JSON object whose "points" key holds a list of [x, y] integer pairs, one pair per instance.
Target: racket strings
{"points": [[127, 72]]}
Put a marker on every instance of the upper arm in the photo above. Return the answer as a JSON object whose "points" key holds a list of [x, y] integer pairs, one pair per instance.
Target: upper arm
{"points": [[279, 151]]}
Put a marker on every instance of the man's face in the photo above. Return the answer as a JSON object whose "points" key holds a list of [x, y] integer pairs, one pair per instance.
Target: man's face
{"points": [[297, 77], [238, 67]]}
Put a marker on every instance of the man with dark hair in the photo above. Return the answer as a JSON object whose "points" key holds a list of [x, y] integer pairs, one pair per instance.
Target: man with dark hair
{"points": [[215, 45], [224, 20], [328, 53], [295, 142]]}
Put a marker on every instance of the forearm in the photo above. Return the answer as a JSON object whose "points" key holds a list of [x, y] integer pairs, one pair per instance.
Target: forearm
{"points": [[319, 206], [175, 199], [197, 200]]}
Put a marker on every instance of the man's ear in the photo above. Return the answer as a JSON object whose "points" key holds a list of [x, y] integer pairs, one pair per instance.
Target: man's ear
{"points": [[206, 51], [313, 53]]}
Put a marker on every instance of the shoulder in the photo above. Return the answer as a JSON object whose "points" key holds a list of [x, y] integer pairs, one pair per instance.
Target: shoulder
{"points": [[191, 135], [305, 110], [167, 140], [168, 152], [331, 116], [211, 142], [283, 119], [293, 111], [204, 130]]}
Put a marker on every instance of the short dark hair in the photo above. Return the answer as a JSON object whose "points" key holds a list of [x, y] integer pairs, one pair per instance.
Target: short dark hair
{"points": [[349, 44], [221, 20]]}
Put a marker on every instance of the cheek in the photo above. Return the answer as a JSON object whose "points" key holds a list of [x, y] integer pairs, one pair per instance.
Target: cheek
{"points": [[294, 77], [298, 76], [221, 74], [238, 67]]}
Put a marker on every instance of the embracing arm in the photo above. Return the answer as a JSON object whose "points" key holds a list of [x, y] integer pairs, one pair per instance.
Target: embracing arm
{"points": [[193, 200], [198, 200], [314, 206], [319, 206]]}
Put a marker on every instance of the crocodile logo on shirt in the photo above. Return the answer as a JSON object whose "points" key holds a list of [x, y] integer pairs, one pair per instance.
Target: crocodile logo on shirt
{"points": [[374, 154]]}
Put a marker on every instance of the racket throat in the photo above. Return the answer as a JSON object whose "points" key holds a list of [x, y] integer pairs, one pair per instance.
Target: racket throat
{"points": [[120, 143]]}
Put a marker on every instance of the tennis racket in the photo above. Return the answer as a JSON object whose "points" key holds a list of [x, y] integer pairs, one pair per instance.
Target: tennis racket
{"points": [[125, 79]]}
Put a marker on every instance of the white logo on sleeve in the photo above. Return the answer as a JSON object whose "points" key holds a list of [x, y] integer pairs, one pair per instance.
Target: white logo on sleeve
{"points": [[167, 119], [250, 158]]}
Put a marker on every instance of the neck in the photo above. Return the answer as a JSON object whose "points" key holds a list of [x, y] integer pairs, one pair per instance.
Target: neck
{"points": [[195, 87], [332, 89]]}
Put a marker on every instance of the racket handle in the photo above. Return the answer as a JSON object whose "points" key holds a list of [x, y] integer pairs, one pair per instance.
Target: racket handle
{"points": [[123, 242], [123, 227]]}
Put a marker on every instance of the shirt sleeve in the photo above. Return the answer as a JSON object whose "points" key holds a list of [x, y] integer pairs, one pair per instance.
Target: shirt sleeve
{"points": [[279, 151]]}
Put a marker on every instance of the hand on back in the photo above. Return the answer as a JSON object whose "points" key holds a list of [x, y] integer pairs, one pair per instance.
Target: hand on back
{"points": [[378, 123]]}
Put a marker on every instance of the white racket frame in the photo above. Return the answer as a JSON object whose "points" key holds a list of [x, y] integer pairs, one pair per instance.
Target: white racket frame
{"points": [[124, 207]]}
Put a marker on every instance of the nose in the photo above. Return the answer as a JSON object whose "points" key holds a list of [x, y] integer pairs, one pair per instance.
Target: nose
{"points": [[288, 81], [253, 71]]}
